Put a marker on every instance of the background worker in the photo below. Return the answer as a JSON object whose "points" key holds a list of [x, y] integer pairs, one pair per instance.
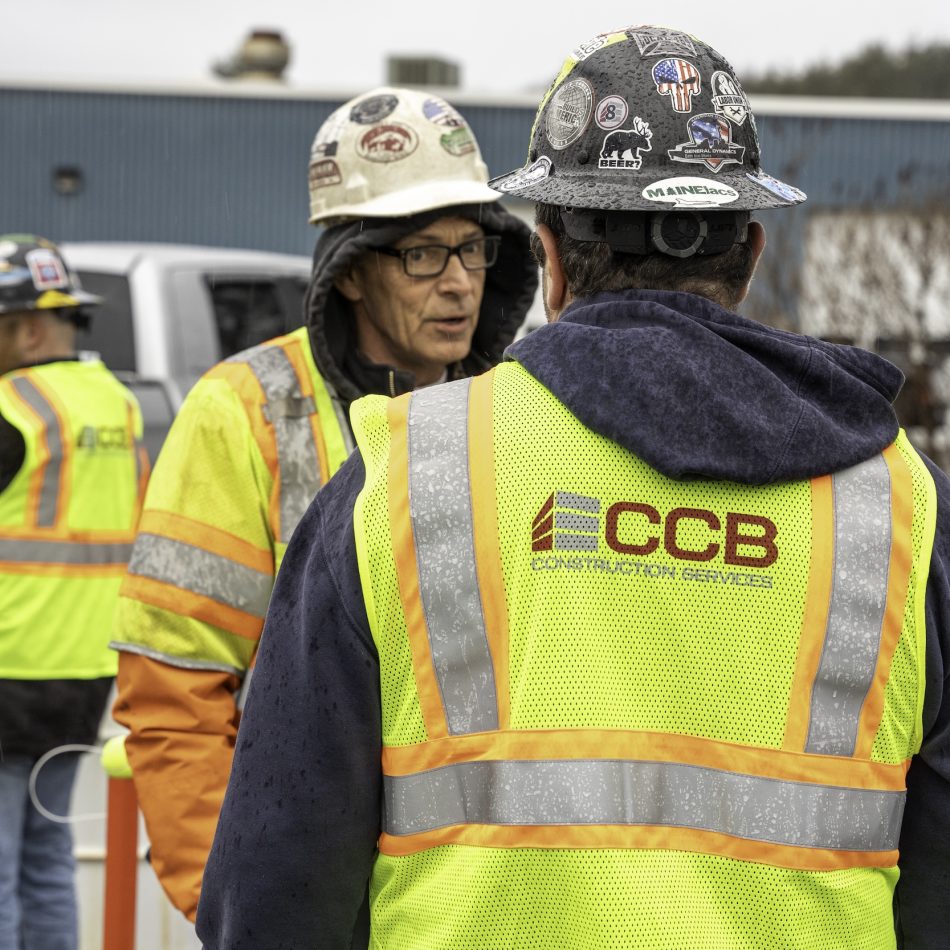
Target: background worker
{"points": [[630, 641], [72, 471], [420, 276]]}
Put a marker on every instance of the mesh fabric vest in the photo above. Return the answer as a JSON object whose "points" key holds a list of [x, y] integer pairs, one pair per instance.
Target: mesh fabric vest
{"points": [[625, 711], [67, 520]]}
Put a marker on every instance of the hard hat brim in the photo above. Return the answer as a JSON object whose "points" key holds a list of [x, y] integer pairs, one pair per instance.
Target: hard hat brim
{"points": [[736, 191], [428, 196]]}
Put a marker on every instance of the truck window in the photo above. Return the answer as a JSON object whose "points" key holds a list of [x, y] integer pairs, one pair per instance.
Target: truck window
{"points": [[111, 334], [248, 312]]}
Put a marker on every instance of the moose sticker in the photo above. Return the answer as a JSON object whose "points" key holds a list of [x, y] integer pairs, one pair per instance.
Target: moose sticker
{"points": [[622, 147]]}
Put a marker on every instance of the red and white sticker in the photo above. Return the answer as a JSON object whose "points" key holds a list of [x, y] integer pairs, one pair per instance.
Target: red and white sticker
{"points": [[387, 143], [46, 269]]}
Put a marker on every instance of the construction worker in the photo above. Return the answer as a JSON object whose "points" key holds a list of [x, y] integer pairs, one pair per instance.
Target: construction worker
{"points": [[420, 276], [630, 641], [72, 471]]}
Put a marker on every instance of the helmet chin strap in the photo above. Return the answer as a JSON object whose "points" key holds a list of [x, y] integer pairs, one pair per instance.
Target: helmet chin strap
{"points": [[678, 233]]}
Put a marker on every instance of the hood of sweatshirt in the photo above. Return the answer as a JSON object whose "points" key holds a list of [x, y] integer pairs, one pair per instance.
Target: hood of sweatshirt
{"points": [[509, 292], [700, 392]]}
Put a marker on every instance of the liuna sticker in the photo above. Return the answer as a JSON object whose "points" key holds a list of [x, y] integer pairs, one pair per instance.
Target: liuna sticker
{"points": [[569, 112], [622, 147], [387, 143], [728, 99], [325, 173], [611, 112], [679, 80], [656, 41], [778, 188], [690, 192], [531, 175], [373, 110], [710, 143]]}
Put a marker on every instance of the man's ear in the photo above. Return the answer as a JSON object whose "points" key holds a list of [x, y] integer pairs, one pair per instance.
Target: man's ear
{"points": [[757, 243], [556, 293], [350, 285]]}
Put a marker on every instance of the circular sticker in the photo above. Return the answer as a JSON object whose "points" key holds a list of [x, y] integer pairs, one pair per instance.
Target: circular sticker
{"points": [[387, 143], [611, 113], [569, 112], [689, 192], [372, 110]]}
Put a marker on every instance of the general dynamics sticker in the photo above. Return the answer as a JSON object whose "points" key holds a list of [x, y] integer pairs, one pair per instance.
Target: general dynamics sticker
{"points": [[690, 192]]}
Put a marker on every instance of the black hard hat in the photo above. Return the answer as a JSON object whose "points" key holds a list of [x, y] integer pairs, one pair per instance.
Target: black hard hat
{"points": [[646, 118], [34, 276]]}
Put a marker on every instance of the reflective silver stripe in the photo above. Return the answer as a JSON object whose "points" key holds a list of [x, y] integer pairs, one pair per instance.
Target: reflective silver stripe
{"points": [[289, 412], [49, 490], [571, 522], [575, 542], [201, 572], [63, 552], [862, 515], [184, 663], [569, 499], [440, 506], [611, 792]]}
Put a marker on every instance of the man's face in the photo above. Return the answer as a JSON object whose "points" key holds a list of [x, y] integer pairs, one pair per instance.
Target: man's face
{"points": [[12, 343], [418, 324]]}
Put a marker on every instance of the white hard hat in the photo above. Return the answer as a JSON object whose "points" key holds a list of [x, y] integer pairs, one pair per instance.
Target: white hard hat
{"points": [[394, 152]]}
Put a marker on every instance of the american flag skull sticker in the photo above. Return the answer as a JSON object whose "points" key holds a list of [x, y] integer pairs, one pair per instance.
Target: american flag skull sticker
{"points": [[679, 80]]}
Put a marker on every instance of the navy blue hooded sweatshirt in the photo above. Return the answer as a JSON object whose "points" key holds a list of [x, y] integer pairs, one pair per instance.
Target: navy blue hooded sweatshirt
{"points": [[694, 390]]}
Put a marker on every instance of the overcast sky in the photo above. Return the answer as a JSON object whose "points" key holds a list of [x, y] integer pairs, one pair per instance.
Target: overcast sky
{"points": [[501, 45]]}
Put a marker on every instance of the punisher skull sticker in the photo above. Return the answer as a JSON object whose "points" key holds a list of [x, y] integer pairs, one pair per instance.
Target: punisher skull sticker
{"points": [[679, 80], [611, 112], [710, 143], [622, 147], [387, 143], [373, 110], [569, 112], [728, 99], [655, 41]]}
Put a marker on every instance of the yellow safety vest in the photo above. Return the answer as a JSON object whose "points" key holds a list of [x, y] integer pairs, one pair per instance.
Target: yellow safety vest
{"points": [[67, 520], [620, 710], [257, 437]]}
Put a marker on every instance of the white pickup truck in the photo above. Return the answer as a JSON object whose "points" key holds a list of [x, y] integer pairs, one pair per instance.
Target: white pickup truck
{"points": [[171, 311]]}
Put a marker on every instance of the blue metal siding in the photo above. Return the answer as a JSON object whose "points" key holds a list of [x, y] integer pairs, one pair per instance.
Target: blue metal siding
{"points": [[232, 171]]}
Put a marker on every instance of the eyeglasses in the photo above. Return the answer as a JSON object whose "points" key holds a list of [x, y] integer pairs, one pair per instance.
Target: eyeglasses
{"points": [[429, 260]]}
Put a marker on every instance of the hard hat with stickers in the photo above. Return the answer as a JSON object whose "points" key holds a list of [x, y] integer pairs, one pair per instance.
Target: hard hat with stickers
{"points": [[646, 118], [34, 276], [394, 152]]}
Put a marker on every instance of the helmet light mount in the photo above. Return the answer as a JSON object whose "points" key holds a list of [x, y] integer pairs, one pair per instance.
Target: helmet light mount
{"points": [[678, 233]]}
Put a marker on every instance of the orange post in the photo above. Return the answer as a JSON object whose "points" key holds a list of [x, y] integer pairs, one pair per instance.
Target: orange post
{"points": [[122, 833]]}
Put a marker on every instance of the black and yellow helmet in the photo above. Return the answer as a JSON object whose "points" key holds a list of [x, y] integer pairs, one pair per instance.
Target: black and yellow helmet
{"points": [[34, 276], [646, 119]]}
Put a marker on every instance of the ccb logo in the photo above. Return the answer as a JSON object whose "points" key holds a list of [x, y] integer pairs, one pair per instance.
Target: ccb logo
{"points": [[568, 521]]}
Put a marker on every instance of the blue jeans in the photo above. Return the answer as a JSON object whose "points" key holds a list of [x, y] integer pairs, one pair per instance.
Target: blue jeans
{"points": [[37, 869]]}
